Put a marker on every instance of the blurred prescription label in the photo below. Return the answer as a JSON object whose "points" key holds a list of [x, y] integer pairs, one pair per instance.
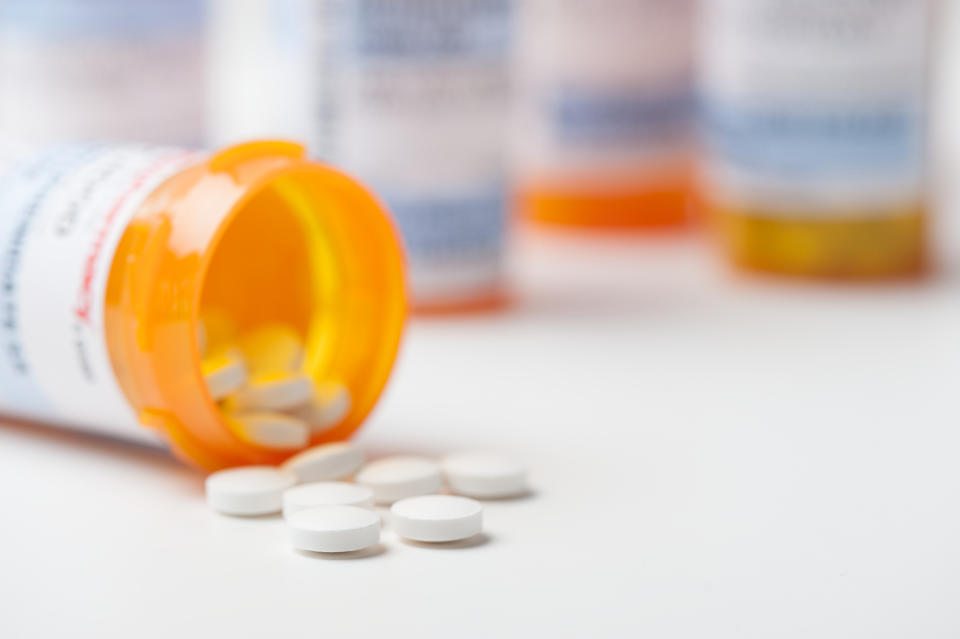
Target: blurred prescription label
{"points": [[604, 126], [102, 70], [606, 88], [817, 107], [63, 210], [411, 96]]}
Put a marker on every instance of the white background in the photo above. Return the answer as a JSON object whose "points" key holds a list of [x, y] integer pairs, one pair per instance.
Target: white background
{"points": [[713, 456]]}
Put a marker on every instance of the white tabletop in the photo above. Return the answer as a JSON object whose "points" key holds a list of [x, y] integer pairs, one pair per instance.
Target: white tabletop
{"points": [[712, 456]]}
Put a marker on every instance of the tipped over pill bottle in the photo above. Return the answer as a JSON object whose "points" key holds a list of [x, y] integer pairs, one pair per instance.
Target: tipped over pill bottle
{"points": [[604, 124], [111, 255], [411, 96], [816, 118]]}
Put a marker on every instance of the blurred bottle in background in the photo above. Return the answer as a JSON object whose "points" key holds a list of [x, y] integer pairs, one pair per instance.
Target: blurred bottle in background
{"points": [[605, 117], [816, 127], [264, 64], [102, 70], [411, 96]]}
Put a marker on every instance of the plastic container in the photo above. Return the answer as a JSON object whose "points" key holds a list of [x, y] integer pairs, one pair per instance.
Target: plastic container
{"points": [[104, 70], [604, 128], [411, 96], [816, 118], [109, 255]]}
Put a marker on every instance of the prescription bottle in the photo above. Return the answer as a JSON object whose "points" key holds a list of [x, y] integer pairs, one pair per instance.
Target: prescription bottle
{"points": [[411, 96], [604, 121], [102, 70], [109, 255], [815, 127]]}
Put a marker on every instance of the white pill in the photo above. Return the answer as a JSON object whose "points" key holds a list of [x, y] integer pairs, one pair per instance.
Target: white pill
{"points": [[396, 478], [273, 392], [330, 405], [326, 493], [270, 430], [326, 462], [437, 518], [485, 475], [334, 529], [224, 373], [248, 491]]}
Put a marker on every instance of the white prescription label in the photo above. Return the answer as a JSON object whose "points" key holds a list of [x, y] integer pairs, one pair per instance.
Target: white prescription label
{"points": [[605, 89], [63, 210], [414, 98], [815, 106]]}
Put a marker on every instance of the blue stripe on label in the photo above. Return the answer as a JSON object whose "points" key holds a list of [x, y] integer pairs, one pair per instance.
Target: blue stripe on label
{"points": [[435, 226], [88, 18], [816, 141], [436, 30], [585, 117]]}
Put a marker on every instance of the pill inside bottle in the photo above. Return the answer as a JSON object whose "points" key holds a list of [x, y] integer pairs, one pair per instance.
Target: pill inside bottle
{"points": [[284, 284], [193, 288]]}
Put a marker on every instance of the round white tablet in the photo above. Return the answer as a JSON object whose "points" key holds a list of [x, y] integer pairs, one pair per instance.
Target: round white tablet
{"points": [[485, 475], [334, 528], [224, 373], [330, 405], [248, 491], [326, 462], [326, 493], [273, 392], [437, 518], [270, 430], [395, 478]]}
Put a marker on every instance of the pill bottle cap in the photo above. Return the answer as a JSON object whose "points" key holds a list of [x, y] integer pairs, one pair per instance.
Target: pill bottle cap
{"points": [[350, 270]]}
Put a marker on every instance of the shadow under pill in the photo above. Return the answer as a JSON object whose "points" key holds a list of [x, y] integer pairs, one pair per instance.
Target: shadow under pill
{"points": [[522, 497], [481, 539], [367, 553], [251, 519]]}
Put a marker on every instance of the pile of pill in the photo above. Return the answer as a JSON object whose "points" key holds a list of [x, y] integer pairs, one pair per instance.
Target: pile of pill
{"points": [[258, 381], [327, 513]]}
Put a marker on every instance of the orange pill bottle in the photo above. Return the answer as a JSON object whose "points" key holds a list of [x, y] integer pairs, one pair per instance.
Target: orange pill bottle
{"points": [[604, 122], [109, 255], [816, 126]]}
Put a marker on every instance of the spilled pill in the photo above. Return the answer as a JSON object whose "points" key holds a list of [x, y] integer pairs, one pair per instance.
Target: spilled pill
{"points": [[334, 529], [326, 462], [248, 491], [395, 478], [270, 430], [437, 518], [485, 475], [326, 493]]}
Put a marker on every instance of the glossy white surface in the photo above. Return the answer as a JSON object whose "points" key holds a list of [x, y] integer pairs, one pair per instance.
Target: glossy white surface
{"points": [[778, 459]]}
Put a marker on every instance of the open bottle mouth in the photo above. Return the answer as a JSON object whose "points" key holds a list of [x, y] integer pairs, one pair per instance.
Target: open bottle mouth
{"points": [[259, 242]]}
